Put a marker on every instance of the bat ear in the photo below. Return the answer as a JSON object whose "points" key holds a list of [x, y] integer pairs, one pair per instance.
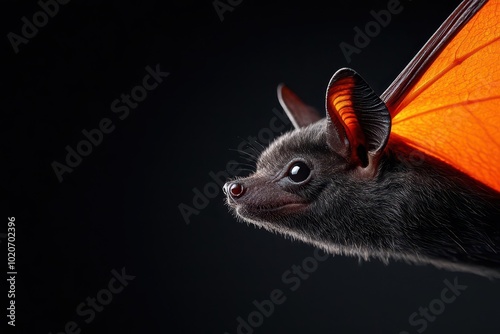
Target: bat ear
{"points": [[299, 113], [358, 122]]}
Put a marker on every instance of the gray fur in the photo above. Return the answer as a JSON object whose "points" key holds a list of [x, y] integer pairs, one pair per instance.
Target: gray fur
{"points": [[417, 210]]}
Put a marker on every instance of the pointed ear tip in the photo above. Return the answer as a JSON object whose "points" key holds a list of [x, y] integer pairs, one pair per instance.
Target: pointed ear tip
{"points": [[341, 73], [282, 90], [346, 69], [344, 72]]}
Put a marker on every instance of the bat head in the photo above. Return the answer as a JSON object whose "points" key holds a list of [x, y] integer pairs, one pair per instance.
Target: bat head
{"points": [[318, 172]]}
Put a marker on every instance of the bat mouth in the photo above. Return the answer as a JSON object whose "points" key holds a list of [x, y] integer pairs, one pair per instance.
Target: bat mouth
{"points": [[267, 210]]}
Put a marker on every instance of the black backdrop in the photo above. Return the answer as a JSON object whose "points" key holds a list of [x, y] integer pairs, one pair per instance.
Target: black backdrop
{"points": [[118, 209]]}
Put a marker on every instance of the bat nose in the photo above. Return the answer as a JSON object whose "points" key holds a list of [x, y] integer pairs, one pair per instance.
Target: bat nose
{"points": [[233, 189]]}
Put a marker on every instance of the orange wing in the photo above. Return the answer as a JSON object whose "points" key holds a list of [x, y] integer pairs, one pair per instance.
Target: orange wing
{"points": [[451, 109]]}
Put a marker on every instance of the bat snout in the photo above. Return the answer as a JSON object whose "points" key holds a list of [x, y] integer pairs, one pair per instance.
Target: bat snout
{"points": [[258, 198]]}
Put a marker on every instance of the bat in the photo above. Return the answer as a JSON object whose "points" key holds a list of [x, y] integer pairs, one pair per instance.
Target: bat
{"points": [[412, 175]]}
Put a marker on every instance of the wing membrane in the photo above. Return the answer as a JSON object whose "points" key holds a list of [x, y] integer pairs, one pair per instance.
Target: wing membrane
{"points": [[452, 110]]}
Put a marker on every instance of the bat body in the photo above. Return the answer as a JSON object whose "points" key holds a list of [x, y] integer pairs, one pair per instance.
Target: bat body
{"points": [[424, 212], [349, 185]]}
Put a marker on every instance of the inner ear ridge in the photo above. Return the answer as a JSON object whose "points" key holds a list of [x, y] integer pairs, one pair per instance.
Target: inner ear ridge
{"points": [[341, 108], [361, 113]]}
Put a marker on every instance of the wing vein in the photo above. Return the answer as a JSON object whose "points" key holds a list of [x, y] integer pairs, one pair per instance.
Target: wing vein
{"points": [[457, 62], [447, 106]]}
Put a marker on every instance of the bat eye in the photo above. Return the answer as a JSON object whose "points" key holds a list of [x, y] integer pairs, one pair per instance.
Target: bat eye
{"points": [[299, 172]]}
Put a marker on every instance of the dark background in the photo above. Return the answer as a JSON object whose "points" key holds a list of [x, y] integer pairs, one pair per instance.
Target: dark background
{"points": [[119, 207]]}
